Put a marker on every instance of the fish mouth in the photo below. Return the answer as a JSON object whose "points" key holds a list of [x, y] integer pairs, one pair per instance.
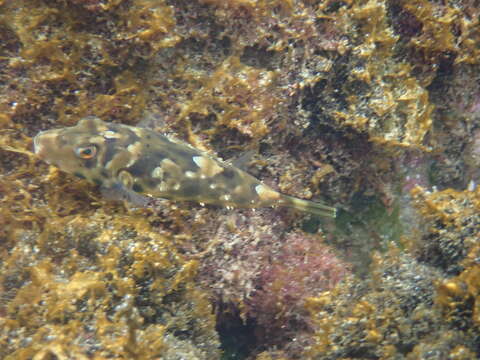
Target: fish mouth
{"points": [[42, 142], [38, 148]]}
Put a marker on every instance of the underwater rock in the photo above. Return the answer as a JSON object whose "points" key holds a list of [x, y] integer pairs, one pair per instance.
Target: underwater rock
{"points": [[339, 100]]}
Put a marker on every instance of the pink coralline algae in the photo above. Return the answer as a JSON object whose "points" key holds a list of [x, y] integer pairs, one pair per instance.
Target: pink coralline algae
{"points": [[266, 270], [301, 268]]}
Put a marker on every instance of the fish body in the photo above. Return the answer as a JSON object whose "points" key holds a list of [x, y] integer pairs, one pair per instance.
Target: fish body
{"points": [[138, 162]]}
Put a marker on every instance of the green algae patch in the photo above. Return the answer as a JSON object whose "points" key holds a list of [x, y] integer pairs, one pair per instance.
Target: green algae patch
{"points": [[375, 215], [368, 226]]}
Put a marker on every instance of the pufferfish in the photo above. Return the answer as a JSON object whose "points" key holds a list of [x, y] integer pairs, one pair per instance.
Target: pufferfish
{"points": [[138, 164]]}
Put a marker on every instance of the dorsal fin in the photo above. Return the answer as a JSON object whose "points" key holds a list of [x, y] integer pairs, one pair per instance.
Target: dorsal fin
{"points": [[152, 121], [243, 160]]}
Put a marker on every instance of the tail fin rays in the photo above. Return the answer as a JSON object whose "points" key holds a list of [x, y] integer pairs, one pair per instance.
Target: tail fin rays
{"points": [[310, 207]]}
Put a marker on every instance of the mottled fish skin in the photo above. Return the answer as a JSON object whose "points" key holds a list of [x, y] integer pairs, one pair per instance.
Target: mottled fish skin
{"points": [[141, 161]]}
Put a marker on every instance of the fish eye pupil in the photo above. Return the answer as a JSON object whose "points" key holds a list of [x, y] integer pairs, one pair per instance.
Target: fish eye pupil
{"points": [[86, 152]]}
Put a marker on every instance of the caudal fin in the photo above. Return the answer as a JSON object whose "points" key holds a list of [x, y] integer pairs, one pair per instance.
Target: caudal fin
{"points": [[310, 207]]}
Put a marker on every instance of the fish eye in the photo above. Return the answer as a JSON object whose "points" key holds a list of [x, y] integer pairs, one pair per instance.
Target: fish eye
{"points": [[86, 152]]}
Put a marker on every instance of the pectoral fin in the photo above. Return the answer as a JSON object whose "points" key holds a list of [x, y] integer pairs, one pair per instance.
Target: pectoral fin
{"points": [[119, 192]]}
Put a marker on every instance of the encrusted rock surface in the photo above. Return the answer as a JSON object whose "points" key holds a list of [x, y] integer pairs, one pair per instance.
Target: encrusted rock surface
{"points": [[372, 106]]}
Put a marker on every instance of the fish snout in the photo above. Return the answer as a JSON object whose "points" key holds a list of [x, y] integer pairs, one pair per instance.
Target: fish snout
{"points": [[42, 143]]}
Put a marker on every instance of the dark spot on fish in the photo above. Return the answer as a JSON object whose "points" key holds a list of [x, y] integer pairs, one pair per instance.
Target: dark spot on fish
{"points": [[139, 169], [80, 175], [137, 188], [146, 163], [151, 182], [132, 137], [166, 176], [189, 189], [187, 153], [97, 181], [178, 152], [157, 156], [228, 173], [110, 152], [90, 163]]}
